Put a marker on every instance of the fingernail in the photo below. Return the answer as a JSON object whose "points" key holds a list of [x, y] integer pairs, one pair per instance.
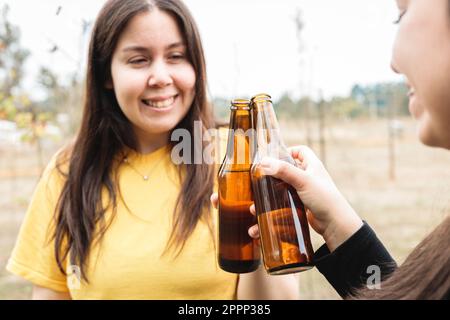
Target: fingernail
{"points": [[253, 232]]}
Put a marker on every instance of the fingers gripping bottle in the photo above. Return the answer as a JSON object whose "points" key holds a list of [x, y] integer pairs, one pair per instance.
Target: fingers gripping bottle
{"points": [[237, 251], [284, 230]]}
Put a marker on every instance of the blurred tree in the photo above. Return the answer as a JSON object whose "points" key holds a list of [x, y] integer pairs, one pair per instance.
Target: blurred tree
{"points": [[299, 27], [378, 97], [47, 79], [12, 60], [56, 94], [64, 102], [304, 106], [358, 93], [15, 103], [285, 107], [221, 108], [347, 107], [7, 108], [321, 106], [12, 56]]}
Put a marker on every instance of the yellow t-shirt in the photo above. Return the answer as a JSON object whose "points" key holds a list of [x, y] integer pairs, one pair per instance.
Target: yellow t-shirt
{"points": [[128, 263]]}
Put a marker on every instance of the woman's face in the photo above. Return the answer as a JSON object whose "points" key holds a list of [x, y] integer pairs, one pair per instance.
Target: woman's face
{"points": [[151, 76], [422, 53]]}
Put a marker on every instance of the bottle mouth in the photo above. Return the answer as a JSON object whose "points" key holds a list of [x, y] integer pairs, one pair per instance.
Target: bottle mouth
{"points": [[261, 97], [241, 104]]}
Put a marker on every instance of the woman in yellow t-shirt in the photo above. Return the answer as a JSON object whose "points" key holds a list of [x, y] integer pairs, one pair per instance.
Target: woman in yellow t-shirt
{"points": [[113, 217]]}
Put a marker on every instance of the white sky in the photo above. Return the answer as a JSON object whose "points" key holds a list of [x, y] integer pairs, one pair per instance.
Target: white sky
{"points": [[251, 46]]}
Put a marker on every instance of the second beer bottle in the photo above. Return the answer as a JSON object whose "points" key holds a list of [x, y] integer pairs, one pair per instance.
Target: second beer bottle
{"points": [[238, 252], [283, 227]]}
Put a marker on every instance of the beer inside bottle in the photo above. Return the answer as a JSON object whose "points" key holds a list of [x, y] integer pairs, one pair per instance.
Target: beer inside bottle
{"points": [[237, 251], [283, 226]]}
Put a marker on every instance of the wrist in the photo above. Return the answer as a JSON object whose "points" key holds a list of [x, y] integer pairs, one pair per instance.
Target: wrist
{"points": [[342, 227]]}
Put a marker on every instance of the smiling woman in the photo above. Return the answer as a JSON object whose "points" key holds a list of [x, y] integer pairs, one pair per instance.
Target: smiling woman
{"points": [[153, 79], [112, 216], [422, 53]]}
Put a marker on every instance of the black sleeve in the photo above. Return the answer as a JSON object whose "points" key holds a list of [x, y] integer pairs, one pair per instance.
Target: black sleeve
{"points": [[346, 268]]}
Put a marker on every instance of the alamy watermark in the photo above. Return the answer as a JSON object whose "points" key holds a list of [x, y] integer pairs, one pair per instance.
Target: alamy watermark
{"points": [[74, 277], [374, 280], [201, 146]]}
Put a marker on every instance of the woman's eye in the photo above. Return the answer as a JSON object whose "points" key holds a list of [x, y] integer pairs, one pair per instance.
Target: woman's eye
{"points": [[176, 57], [400, 17], [138, 61]]}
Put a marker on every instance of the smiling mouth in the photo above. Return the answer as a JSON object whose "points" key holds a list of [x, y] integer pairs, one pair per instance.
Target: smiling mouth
{"points": [[159, 104]]}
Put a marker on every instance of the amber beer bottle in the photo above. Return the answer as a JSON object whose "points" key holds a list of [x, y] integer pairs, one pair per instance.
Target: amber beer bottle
{"points": [[237, 251], [284, 230]]}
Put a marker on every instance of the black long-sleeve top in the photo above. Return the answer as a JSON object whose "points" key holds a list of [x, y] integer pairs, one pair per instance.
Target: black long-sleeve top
{"points": [[349, 266]]}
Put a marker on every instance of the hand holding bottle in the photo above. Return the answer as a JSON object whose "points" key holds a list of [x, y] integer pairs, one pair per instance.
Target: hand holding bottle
{"points": [[329, 213]]}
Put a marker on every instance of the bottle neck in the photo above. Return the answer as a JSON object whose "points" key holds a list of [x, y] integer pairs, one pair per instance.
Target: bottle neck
{"points": [[240, 137], [268, 136]]}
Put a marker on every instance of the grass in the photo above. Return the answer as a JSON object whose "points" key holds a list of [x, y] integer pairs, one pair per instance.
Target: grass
{"points": [[402, 211]]}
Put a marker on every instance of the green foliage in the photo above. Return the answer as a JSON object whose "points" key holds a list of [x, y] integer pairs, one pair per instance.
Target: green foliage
{"points": [[347, 107], [14, 102], [34, 125], [16, 105], [382, 95], [373, 100], [285, 106], [7, 108], [10, 106]]}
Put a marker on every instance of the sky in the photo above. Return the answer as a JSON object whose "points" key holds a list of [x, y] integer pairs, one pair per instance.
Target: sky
{"points": [[251, 46]]}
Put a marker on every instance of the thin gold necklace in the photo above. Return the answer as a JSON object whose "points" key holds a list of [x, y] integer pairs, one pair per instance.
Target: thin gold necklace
{"points": [[145, 177]]}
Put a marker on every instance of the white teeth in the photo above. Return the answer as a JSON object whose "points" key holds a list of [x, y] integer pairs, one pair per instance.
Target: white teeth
{"points": [[159, 104]]}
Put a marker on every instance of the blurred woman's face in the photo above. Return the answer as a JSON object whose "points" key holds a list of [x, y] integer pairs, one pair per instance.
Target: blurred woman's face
{"points": [[152, 78], [422, 53]]}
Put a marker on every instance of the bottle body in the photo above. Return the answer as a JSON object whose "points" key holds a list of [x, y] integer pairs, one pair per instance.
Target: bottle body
{"points": [[283, 226], [237, 251]]}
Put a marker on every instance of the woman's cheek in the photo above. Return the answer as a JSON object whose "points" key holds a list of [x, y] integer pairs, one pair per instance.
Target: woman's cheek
{"points": [[186, 77], [131, 85]]}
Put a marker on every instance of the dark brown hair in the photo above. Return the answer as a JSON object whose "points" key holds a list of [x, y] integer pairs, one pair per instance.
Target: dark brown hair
{"points": [[425, 274], [105, 131]]}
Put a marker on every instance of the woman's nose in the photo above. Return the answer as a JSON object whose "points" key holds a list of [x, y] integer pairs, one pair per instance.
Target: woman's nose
{"points": [[159, 75]]}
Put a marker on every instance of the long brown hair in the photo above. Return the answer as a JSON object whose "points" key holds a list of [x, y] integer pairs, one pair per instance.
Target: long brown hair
{"points": [[105, 131], [425, 274]]}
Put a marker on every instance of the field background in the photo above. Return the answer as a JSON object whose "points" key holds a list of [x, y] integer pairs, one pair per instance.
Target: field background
{"points": [[401, 211]]}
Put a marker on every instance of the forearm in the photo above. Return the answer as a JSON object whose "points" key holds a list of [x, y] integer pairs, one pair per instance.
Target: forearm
{"points": [[259, 285]]}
